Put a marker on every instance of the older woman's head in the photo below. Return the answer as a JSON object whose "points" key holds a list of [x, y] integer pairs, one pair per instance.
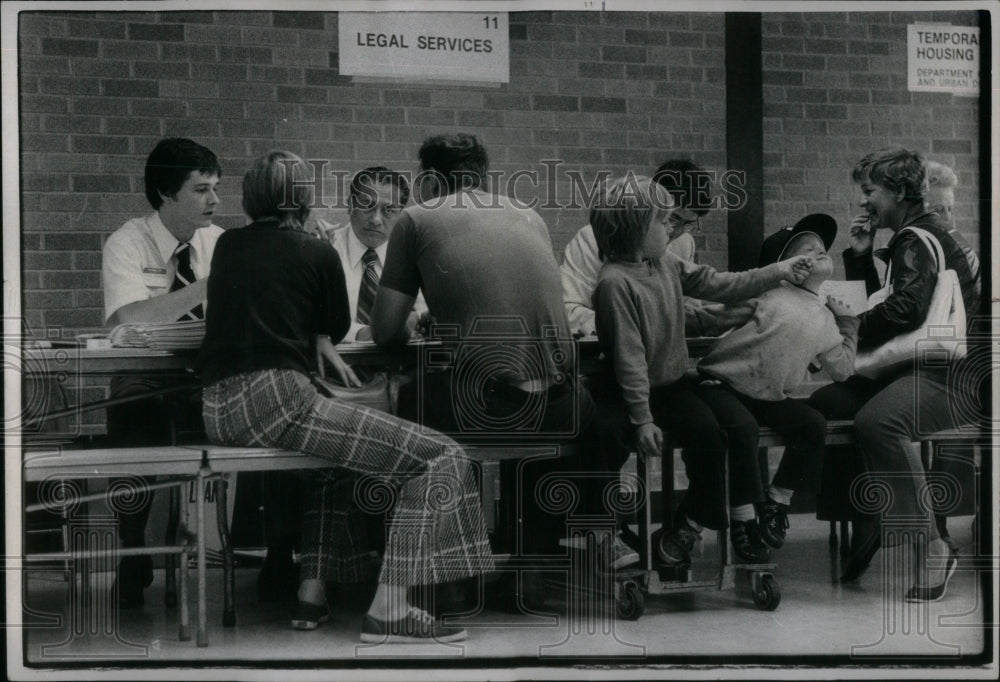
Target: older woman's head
{"points": [[941, 182], [893, 184], [274, 189]]}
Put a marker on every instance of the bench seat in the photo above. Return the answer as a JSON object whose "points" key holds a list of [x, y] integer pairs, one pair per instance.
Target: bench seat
{"points": [[184, 464]]}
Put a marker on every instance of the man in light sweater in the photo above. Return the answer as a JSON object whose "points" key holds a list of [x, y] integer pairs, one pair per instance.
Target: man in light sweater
{"points": [[581, 262]]}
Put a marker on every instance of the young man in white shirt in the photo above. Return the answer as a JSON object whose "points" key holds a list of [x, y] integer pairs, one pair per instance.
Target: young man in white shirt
{"points": [[155, 269]]}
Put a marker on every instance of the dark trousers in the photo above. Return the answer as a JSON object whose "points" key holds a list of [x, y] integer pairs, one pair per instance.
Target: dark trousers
{"points": [[498, 413], [148, 422], [802, 427], [888, 415], [699, 420], [688, 419]]}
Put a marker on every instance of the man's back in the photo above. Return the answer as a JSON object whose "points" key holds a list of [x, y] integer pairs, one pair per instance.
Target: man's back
{"points": [[485, 266]]}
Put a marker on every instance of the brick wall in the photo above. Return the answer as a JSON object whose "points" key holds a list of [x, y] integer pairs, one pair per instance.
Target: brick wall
{"points": [[834, 89], [596, 90]]}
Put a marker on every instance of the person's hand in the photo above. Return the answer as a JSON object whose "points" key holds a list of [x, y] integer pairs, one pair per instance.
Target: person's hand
{"points": [[796, 269], [838, 307], [422, 326], [364, 334], [861, 235], [649, 440], [326, 352]]}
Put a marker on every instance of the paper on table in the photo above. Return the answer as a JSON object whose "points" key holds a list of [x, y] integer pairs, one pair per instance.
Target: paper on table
{"points": [[184, 335], [851, 292]]}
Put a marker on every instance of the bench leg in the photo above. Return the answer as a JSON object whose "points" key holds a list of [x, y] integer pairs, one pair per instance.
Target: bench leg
{"points": [[228, 587], [644, 514], [170, 561]]}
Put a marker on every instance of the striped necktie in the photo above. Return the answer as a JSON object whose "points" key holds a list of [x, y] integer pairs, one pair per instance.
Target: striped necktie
{"points": [[369, 284], [185, 276]]}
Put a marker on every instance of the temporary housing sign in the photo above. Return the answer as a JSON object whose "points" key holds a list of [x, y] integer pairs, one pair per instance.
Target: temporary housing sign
{"points": [[943, 58], [452, 46]]}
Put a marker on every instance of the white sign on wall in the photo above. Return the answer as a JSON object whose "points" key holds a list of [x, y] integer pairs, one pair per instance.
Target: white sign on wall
{"points": [[455, 46], [943, 58]]}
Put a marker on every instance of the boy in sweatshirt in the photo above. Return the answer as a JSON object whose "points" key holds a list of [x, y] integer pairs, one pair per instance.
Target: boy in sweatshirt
{"points": [[640, 320], [777, 337]]}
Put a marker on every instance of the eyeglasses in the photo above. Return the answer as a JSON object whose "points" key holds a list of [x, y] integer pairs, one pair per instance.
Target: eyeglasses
{"points": [[688, 225]]}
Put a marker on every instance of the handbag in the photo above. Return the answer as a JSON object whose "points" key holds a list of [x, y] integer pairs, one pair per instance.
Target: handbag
{"points": [[376, 393], [941, 337]]}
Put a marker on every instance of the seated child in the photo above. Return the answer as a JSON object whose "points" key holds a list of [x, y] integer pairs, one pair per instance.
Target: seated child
{"points": [[640, 322], [777, 336]]}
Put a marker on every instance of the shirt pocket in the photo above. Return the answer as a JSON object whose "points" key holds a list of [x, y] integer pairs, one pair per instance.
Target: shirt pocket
{"points": [[155, 282]]}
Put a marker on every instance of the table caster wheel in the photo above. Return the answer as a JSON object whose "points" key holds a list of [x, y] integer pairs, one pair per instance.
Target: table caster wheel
{"points": [[767, 596], [630, 603]]}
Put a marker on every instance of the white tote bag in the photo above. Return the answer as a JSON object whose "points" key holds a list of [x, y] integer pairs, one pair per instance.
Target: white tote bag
{"points": [[941, 337]]}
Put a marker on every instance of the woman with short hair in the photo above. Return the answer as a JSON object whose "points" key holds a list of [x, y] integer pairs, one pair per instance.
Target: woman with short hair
{"points": [[276, 300], [891, 412]]}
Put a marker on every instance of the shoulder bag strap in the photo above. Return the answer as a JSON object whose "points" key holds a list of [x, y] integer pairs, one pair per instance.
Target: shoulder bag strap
{"points": [[933, 245]]}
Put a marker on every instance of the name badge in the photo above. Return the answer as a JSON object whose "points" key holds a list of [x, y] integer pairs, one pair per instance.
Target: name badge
{"points": [[154, 271]]}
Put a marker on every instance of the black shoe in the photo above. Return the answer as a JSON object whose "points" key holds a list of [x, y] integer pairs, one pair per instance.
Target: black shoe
{"points": [[309, 616], [278, 580], [674, 548], [134, 574], [774, 523], [417, 626], [922, 594], [865, 542], [747, 542]]}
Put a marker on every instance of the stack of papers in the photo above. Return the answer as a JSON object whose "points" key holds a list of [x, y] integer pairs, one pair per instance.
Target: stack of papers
{"points": [[851, 292], [185, 335]]}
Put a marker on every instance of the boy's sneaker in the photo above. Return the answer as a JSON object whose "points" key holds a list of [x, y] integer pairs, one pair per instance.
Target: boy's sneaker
{"points": [[774, 523], [621, 554], [416, 627], [615, 555], [610, 556], [675, 547], [747, 542]]}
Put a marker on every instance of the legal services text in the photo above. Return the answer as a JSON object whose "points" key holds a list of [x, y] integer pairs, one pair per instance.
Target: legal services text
{"points": [[481, 45]]}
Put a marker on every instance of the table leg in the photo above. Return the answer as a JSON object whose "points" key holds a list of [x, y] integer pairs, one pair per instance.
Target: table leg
{"points": [[228, 588], [202, 590], [84, 564], [185, 615], [509, 529], [170, 561]]}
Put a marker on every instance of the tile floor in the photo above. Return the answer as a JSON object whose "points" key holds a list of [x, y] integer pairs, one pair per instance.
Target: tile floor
{"points": [[818, 622]]}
